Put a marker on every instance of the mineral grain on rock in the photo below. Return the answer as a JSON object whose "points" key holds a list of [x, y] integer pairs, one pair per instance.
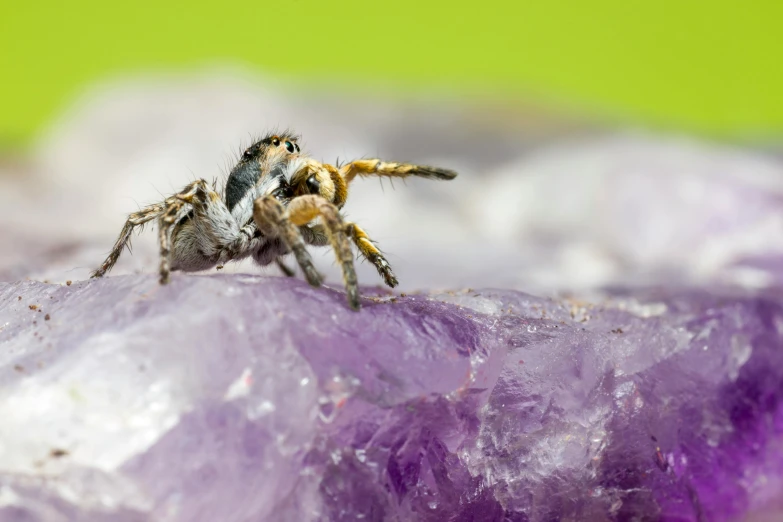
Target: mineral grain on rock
{"points": [[239, 398]]}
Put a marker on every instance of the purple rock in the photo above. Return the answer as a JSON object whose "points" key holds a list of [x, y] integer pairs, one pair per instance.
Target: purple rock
{"points": [[232, 398]]}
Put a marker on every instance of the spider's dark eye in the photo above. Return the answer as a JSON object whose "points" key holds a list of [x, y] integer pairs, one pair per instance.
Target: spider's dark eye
{"points": [[282, 193], [248, 154], [296, 145], [312, 185], [275, 142], [289, 146]]}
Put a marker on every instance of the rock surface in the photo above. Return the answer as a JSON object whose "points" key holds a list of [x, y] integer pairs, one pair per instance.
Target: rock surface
{"points": [[270, 400], [537, 207]]}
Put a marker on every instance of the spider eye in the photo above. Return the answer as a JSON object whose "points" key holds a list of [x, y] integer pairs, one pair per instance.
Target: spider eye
{"points": [[248, 154], [296, 145], [312, 185], [275, 142], [289, 146], [282, 193]]}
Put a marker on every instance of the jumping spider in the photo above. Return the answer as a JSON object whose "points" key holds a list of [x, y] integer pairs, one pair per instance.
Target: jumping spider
{"points": [[267, 209]]}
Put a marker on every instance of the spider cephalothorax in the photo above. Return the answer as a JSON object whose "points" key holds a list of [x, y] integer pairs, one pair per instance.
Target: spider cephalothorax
{"points": [[268, 208], [263, 158]]}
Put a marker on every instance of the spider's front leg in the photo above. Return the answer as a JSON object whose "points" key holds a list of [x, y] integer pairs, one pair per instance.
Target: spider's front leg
{"points": [[371, 253], [274, 219], [376, 167], [318, 236]]}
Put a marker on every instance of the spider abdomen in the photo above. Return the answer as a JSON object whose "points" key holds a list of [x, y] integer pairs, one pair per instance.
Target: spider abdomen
{"points": [[241, 179]]}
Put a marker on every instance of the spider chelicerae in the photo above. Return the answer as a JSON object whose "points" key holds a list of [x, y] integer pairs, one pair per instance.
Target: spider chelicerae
{"points": [[269, 207]]}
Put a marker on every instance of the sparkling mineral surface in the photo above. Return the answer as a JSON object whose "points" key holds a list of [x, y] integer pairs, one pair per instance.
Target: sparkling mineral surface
{"points": [[270, 400]]}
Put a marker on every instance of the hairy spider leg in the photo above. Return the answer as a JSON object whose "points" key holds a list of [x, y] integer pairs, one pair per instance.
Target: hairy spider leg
{"points": [[226, 241], [288, 272], [376, 167], [371, 253], [177, 207], [304, 209], [337, 193], [137, 219], [271, 220], [365, 245], [175, 211]]}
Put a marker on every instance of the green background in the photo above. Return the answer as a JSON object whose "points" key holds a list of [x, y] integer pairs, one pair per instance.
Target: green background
{"points": [[709, 67]]}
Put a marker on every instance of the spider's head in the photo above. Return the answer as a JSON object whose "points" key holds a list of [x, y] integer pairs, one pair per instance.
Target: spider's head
{"points": [[272, 146], [261, 163]]}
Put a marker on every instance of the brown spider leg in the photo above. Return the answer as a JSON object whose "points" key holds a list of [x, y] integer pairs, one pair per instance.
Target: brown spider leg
{"points": [[317, 236], [174, 213], [177, 207], [304, 209], [376, 167], [371, 253], [134, 220], [270, 218], [284, 268]]}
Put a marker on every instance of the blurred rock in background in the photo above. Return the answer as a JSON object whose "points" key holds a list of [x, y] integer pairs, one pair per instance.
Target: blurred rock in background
{"points": [[542, 203]]}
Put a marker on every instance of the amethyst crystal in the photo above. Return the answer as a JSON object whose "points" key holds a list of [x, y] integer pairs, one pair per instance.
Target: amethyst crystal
{"points": [[233, 398]]}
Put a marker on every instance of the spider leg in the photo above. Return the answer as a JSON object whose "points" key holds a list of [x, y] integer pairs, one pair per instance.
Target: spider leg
{"points": [[271, 220], [376, 167], [316, 235], [284, 268], [134, 220], [304, 209], [195, 196], [371, 253], [175, 211]]}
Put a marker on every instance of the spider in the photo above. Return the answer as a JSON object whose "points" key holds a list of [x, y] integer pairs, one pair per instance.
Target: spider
{"points": [[267, 209]]}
